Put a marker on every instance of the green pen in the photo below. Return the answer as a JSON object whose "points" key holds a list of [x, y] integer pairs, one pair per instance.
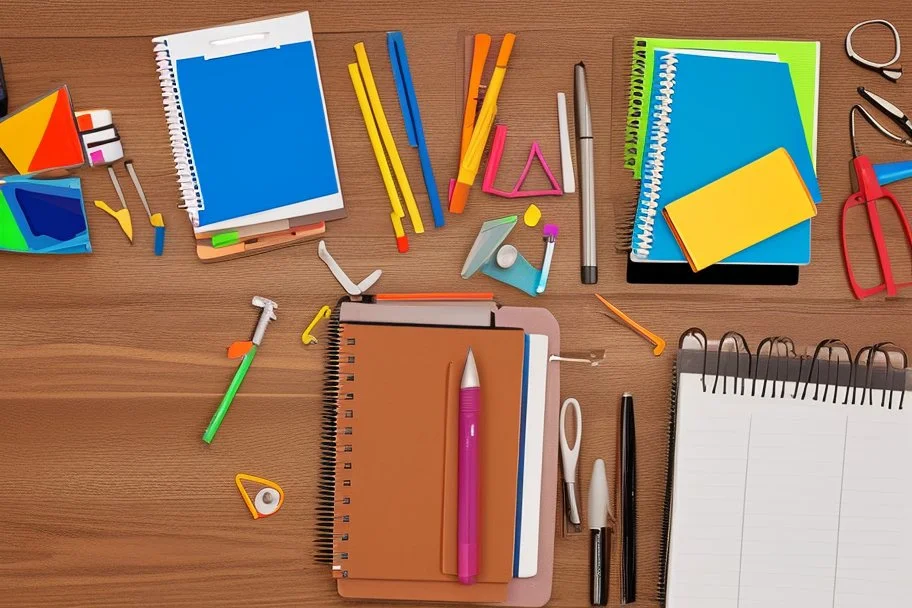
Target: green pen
{"points": [[248, 351]]}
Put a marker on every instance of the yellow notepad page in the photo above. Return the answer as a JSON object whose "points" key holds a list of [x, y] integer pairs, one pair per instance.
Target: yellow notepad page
{"points": [[739, 210]]}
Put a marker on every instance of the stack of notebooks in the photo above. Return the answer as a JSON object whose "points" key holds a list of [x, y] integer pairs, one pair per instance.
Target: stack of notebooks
{"points": [[722, 136], [250, 135], [388, 498]]}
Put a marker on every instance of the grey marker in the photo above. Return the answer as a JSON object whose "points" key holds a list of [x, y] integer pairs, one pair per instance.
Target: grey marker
{"points": [[586, 160]]}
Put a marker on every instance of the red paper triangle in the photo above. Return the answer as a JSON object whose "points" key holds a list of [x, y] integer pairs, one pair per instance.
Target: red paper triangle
{"points": [[60, 146]]}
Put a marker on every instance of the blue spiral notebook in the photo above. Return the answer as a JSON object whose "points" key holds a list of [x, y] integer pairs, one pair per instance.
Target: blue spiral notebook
{"points": [[709, 116], [248, 124]]}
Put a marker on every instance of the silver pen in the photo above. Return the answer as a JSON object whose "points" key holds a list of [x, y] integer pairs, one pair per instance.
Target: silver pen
{"points": [[585, 158]]}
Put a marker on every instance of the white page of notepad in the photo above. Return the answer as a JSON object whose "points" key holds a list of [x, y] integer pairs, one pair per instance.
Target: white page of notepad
{"points": [[789, 503]]}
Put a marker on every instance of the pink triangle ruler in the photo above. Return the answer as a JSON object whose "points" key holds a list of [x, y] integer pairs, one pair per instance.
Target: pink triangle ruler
{"points": [[497, 150]]}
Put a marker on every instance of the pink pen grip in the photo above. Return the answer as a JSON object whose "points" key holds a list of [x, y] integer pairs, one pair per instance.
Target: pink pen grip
{"points": [[469, 481]]}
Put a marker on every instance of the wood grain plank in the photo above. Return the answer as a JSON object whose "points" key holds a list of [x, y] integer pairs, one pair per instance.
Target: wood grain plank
{"points": [[112, 363]]}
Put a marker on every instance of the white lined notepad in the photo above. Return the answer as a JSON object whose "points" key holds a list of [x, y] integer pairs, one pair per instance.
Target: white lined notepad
{"points": [[789, 503]]}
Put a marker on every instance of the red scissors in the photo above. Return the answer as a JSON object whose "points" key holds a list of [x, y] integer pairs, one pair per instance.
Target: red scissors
{"points": [[869, 183]]}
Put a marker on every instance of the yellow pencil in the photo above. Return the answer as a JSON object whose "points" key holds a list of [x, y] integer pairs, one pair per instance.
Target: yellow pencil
{"points": [[374, 96], [374, 136], [468, 169]]}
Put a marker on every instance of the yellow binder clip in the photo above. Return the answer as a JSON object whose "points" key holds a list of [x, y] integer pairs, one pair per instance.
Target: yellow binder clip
{"points": [[306, 337]]}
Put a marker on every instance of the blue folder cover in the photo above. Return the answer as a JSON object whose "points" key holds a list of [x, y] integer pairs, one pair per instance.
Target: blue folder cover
{"points": [[720, 114], [517, 533], [257, 130]]}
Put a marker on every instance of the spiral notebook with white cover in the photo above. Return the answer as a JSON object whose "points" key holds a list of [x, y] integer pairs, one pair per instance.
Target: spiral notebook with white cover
{"points": [[248, 124], [789, 482], [709, 116]]}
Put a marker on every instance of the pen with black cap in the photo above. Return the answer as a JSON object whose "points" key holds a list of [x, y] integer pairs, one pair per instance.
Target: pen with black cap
{"points": [[600, 534]]}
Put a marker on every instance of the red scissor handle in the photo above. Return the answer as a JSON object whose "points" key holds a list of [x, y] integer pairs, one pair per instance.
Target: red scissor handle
{"points": [[869, 192]]}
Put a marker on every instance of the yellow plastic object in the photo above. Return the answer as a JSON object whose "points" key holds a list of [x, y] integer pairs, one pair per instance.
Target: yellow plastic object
{"points": [[532, 216], [251, 506], [121, 215], [157, 220], [387, 135], [307, 337], [739, 210], [658, 342]]}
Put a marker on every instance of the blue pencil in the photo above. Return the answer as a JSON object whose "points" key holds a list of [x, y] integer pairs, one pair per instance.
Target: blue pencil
{"points": [[412, 116]]}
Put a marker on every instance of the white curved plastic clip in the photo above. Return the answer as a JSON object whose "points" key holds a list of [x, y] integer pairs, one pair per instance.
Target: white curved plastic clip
{"points": [[569, 458], [888, 69]]}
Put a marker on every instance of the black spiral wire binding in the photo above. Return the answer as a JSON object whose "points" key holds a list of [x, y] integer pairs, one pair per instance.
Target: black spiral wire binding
{"points": [[327, 539], [669, 460], [831, 346], [739, 342], [885, 349], [774, 346]]}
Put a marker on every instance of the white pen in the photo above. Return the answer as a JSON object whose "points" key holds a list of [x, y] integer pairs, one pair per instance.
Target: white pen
{"points": [[600, 534]]}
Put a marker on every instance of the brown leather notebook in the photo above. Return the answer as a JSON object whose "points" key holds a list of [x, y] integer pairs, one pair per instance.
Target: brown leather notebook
{"points": [[395, 455]]}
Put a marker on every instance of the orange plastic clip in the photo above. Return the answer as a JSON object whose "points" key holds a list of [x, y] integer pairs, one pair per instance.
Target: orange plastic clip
{"points": [[658, 342]]}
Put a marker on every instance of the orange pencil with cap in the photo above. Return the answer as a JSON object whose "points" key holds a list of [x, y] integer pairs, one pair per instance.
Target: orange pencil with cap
{"points": [[468, 168]]}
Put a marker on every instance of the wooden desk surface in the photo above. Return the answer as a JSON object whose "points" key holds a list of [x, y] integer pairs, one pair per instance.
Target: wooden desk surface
{"points": [[111, 364]]}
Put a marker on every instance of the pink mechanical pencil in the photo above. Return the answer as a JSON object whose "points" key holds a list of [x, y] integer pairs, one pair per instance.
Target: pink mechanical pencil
{"points": [[469, 478]]}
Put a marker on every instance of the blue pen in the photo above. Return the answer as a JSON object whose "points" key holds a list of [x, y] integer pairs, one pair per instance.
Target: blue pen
{"points": [[412, 116]]}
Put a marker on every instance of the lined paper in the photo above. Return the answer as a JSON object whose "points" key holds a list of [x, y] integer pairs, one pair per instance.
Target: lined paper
{"points": [[789, 502]]}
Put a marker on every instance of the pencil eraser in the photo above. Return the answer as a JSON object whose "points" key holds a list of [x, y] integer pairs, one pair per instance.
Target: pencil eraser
{"points": [[402, 244]]}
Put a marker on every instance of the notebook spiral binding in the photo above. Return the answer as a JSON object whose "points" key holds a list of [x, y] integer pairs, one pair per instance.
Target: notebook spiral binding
{"points": [[636, 102], [330, 533], [817, 377], [192, 199], [627, 207], [654, 165]]}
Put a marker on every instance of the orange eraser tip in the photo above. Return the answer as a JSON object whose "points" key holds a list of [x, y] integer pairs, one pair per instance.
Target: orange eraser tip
{"points": [[402, 244], [459, 198]]}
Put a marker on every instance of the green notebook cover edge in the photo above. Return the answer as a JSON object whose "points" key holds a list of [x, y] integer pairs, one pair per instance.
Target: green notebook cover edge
{"points": [[796, 53]]}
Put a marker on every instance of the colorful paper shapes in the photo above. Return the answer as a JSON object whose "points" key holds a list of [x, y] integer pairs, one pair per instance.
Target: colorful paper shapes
{"points": [[42, 136], [494, 157], [268, 499], [492, 234], [43, 216]]}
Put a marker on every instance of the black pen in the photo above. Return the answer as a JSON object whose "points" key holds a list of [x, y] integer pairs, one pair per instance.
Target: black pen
{"points": [[627, 498], [600, 534]]}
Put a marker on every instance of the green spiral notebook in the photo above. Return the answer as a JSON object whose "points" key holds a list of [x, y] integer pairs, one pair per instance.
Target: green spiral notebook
{"points": [[802, 57]]}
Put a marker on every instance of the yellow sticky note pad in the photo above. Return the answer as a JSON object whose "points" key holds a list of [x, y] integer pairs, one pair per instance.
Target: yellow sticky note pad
{"points": [[739, 210]]}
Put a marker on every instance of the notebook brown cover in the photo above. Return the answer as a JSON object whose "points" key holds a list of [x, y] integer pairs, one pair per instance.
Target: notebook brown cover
{"points": [[397, 390]]}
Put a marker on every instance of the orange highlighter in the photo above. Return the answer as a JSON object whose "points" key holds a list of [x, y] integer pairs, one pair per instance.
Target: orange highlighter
{"points": [[471, 161]]}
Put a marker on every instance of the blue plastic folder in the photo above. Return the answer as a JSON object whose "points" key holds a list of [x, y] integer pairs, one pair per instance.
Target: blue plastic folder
{"points": [[709, 116], [43, 216]]}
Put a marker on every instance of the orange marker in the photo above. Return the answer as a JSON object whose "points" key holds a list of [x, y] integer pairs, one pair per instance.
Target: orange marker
{"points": [[468, 169], [479, 56]]}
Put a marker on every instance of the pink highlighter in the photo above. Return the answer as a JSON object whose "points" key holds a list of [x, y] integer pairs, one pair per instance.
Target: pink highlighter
{"points": [[469, 477]]}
